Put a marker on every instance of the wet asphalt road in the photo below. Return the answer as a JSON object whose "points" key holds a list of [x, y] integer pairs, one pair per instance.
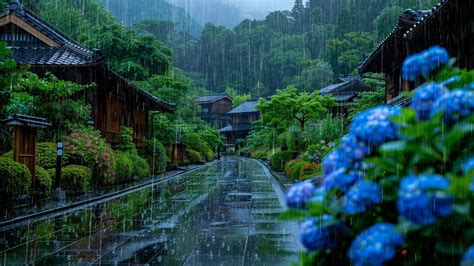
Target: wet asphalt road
{"points": [[226, 213]]}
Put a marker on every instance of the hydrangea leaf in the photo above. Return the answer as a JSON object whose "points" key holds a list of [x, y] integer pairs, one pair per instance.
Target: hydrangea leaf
{"points": [[295, 214]]}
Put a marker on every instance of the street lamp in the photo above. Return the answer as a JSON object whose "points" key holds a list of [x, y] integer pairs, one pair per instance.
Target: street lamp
{"points": [[59, 193]]}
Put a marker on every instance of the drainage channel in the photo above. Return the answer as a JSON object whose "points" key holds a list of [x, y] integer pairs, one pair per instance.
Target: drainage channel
{"points": [[72, 207]]}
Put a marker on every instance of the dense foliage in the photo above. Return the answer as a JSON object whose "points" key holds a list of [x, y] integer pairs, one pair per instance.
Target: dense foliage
{"points": [[76, 178], [88, 144], [306, 47], [16, 179], [398, 188]]}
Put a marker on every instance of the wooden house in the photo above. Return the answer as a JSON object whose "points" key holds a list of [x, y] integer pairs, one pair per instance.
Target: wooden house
{"points": [[450, 24], [115, 101], [242, 118], [345, 91], [214, 109]]}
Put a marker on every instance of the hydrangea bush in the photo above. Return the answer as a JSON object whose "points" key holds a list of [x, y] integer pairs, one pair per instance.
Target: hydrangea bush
{"points": [[399, 188]]}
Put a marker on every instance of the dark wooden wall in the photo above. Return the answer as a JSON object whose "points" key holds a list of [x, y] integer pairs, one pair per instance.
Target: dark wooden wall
{"points": [[221, 107], [244, 118], [114, 103]]}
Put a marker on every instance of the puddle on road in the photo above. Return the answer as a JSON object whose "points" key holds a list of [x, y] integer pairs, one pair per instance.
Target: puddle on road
{"points": [[224, 214]]}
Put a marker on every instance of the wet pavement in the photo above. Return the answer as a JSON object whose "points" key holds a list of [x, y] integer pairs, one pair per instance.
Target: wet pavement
{"points": [[224, 214]]}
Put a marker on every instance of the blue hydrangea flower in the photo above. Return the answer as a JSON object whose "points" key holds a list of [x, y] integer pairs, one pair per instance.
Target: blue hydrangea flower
{"points": [[299, 194], [468, 258], [318, 233], [455, 105], [425, 97], [319, 195], [375, 245], [353, 149], [335, 160], [412, 67], [421, 64], [423, 198], [468, 165], [436, 56], [374, 126], [361, 196], [341, 180]]}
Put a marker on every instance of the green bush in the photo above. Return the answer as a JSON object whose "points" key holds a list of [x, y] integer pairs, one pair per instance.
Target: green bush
{"points": [[126, 141], [293, 169], [280, 159], [44, 180], [194, 156], [15, 179], [160, 158], [87, 142], [46, 155], [174, 165], [209, 155], [8, 155], [184, 163], [123, 167], [141, 168], [260, 155], [75, 178]]}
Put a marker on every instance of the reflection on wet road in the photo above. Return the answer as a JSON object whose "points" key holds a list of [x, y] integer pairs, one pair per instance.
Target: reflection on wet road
{"points": [[223, 214]]}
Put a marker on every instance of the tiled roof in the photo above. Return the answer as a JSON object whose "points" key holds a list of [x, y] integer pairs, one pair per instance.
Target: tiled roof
{"points": [[68, 52], [416, 17], [247, 107], [237, 128], [48, 56], [346, 89], [212, 98], [156, 102]]}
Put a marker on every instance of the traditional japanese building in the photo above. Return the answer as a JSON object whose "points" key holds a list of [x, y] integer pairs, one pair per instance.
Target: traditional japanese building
{"points": [[345, 91], [115, 101], [214, 109], [450, 24], [242, 118]]}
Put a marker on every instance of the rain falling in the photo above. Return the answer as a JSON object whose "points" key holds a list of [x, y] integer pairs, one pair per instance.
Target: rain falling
{"points": [[236, 132]]}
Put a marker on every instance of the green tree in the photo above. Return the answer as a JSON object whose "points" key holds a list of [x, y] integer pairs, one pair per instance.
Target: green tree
{"points": [[290, 107], [316, 75], [237, 99], [385, 22]]}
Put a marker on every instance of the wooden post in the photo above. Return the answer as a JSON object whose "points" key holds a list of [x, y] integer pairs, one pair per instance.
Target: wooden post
{"points": [[24, 148], [24, 140]]}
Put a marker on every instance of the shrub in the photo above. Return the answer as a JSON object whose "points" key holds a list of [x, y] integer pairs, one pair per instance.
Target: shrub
{"points": [[44, 180], [194, 156], [123, 167], [160, 157], [184, 163], [8, 155], [15, 178], [293, 169], [279, 159], [209, 155], [88, 143], [141, 168], [310, 170], [174, 165], [126, 141], [75, 178], [46, 155], [260, 155]]}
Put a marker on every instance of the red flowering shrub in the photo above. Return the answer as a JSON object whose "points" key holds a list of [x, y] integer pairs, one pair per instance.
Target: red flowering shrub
{"points": [[310, 170], [96, 152]]}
